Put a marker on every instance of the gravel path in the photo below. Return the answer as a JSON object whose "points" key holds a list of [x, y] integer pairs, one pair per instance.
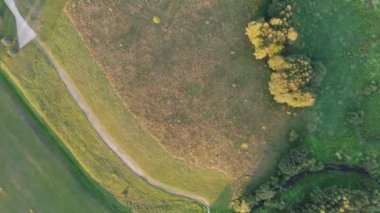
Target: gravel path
{"points": [[108, 140]]}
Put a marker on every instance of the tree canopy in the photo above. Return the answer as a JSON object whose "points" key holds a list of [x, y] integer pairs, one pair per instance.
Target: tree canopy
{"points": [[291, 75]]}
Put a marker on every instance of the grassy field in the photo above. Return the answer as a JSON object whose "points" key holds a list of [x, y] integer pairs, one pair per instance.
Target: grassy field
{"points": [[34, 169], [344, 37], [120, 123], [190, 81]]}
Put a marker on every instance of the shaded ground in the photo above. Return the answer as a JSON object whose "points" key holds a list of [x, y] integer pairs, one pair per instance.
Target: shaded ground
{"points": [[192, 80]]}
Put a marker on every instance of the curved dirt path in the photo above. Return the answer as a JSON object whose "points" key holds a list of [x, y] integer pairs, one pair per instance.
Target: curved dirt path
{"points": [[106, 137]]}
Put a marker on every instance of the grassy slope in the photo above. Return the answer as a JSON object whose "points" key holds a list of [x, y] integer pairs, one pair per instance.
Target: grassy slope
{"points": [[35, 79], [33, 169], [120, 123], [46, 94]]}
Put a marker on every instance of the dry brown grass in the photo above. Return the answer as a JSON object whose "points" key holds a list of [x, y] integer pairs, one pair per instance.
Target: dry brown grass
{"points": [[191, 80]]}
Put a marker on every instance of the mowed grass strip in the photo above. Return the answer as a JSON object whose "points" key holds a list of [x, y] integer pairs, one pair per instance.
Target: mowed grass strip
{"points": [[43, 90], [95, 88]]}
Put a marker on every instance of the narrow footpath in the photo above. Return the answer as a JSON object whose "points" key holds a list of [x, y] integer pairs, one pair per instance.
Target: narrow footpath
{"points": [[106, 137]]}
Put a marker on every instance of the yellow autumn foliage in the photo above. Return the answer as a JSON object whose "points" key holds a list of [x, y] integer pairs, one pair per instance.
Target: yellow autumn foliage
{"points": [[278, 87], [292, 35], [156, 20], [260, 53], [253, 31], [293, 74], [278, 63], [276, 21], [275, 49]]}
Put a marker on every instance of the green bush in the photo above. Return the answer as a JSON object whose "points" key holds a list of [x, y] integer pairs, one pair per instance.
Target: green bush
{"points": [[294, 161]]}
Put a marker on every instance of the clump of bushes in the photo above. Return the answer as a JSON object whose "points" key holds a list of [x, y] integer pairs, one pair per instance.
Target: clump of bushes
{"points": [[240, 206], [291, 75], [296, 160], [270, 37], [371, 88]]}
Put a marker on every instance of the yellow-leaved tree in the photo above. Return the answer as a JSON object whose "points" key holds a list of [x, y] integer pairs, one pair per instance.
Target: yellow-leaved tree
{"points": [[292, 75]]}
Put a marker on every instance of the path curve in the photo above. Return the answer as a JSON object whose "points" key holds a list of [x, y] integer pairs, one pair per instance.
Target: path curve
{"points": [[106, 137]]}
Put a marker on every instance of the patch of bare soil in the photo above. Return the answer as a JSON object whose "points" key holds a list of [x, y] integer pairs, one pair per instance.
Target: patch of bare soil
{"points": [[190, 80]]}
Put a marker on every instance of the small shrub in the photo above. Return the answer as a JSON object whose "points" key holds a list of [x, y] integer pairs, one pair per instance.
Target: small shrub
{"points": [[278, 63], [293, 136], [294, 161], [371, 164], [264, 193], [240, 206], [284, 92], [156, 20], [355, 118]]}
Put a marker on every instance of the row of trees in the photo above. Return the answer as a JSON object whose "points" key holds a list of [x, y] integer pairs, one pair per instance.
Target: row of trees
{"points": [[329, 199], [334, 199], [291, 75]]}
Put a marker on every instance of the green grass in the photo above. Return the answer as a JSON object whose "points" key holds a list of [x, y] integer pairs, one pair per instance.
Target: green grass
{"points": [[34, 170], [372, 121], [222, 204], [7, 26], [121, 124], [343, 35], [36, 80]]}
